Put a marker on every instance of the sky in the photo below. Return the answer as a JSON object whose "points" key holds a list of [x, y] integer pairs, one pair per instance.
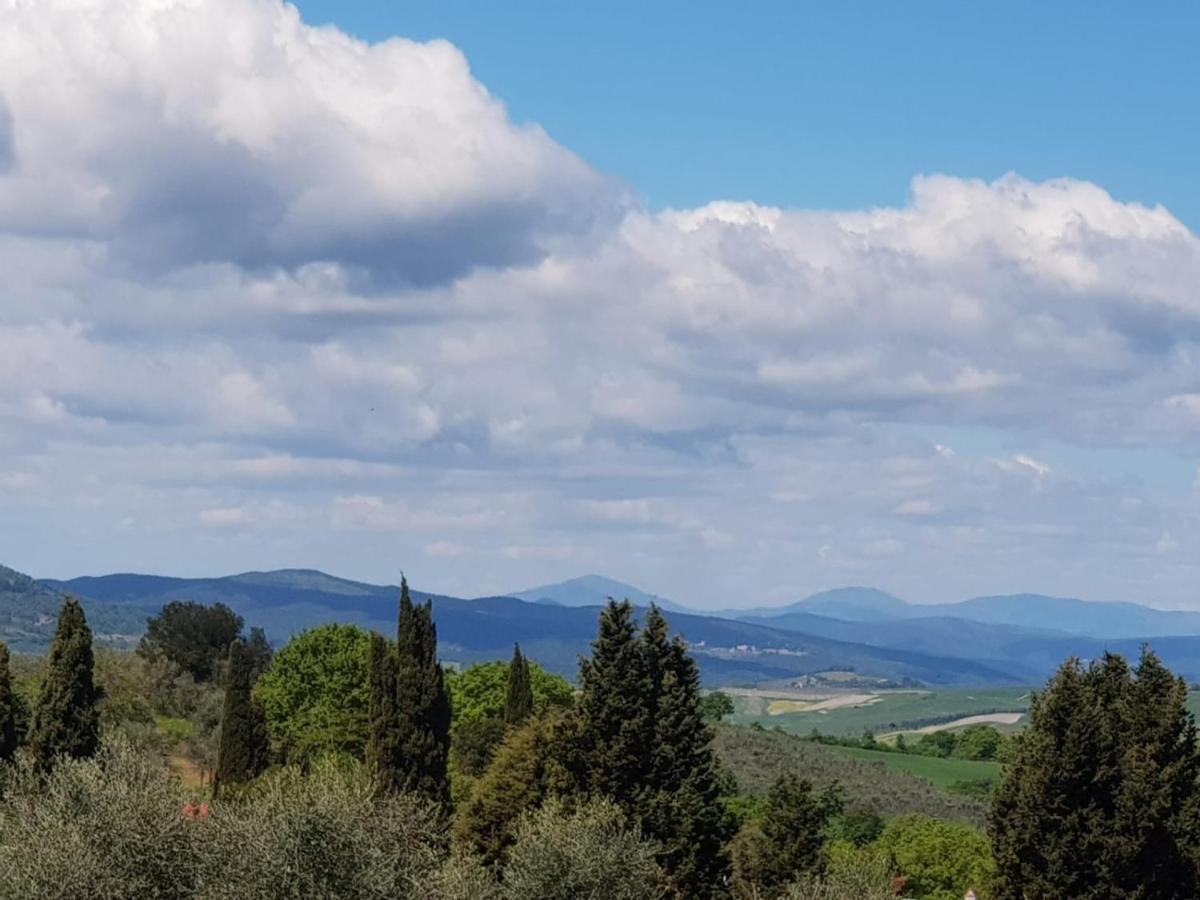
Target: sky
{"points": [[735, 303]]}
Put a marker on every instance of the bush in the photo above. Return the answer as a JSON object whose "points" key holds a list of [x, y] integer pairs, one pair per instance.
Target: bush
{"points": [[106, 827], [590, 852], [324, 836], [851, 874], [939, 860]]}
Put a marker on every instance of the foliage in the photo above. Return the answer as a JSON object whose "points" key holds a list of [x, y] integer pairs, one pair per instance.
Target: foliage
{"points": [[422, 721], [480, 690], [787, 842], [8, 709], [326, 835], [939, 860], [850, 874], [315, 693], [381, 714], [193, 636], [518, 700], [643, 744], [715, 706], [587, 852], [66, 721], [858, 825], [244, 746], [526, 769], [1101, 797], [106, 827], [472, 744]]}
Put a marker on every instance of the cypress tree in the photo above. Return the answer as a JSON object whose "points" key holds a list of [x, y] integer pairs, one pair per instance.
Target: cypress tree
{"points": [[644, 744], [8, 709], [244, 747], [1101, 799], [518, 703], [381, 713], [422, 703], [66, 721], [614, 709], [681, 808]]}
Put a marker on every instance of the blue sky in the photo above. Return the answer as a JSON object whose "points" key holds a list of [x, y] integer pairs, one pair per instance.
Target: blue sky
{"points": [[731, 302], [836, 105]]}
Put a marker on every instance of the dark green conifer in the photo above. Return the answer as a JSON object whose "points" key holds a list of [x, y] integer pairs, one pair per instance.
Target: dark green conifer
{"points": [[8, 709], [643, 743], [66, 721], [244, 747], [381, 714], [422, 703], [616, 724], [794, 829], [682, 809], [1101, 797], [518, 703]]}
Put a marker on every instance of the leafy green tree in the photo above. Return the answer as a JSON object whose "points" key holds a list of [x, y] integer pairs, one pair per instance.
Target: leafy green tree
{"points": [[858, 825], [715, 706], [518, 702], [422, 703], [481, 689], [1100, 799], [193, 636], [244, 747], [66, 721], [8, 709], [941, 860], [980, 742], [316, 693]]}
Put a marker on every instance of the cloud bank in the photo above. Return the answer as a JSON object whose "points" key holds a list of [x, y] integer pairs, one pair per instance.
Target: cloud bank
{"points": [[276, 296]]}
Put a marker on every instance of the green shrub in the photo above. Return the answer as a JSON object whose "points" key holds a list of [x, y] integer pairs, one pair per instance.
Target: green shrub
{"points": [[109, 827], [851, 874], [590, 852], [321, 836], [939, 860]]}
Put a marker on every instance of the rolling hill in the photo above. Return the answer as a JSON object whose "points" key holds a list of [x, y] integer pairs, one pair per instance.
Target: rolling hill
{"points": [[729, 651], [29, 611]]}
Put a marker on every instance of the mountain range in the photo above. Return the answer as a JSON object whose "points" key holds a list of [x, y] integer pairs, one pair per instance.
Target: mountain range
{"points": [[880, 638]]}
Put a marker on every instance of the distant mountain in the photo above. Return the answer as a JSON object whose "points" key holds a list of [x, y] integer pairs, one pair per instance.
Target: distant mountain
{"points": [[1094, 619], [29, 612], [728, 651], [595, 590], [852, 604], [1028, 611]]}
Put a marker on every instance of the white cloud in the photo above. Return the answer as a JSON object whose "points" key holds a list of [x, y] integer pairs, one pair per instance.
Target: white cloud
{"points": [[248, 262]]}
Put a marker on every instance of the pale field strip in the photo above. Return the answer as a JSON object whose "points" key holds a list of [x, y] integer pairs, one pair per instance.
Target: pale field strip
{"points": [[1007, 718]]}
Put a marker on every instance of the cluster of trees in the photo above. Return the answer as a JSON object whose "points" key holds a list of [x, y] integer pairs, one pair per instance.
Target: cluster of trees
{"points": [[385, 775]]}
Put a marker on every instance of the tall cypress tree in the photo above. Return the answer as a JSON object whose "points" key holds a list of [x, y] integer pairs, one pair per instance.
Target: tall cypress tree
{"points": [[422, 703], [518, 703], [1101, 799], [8, 709], [66, 721], [244, 747], [681, 807], [644, 744], [615, 710], [381, 715]]}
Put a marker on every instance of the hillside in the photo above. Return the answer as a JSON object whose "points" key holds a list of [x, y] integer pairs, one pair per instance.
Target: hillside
{"points": [[594, 590], [757, 757], [29, 610], [729, 651]]}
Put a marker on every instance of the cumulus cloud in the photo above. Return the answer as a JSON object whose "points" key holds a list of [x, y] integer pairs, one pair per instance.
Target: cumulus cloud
{"points": [[274, 281]]}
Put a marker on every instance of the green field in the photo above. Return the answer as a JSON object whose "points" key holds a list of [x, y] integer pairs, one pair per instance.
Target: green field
{"points": [[879, 711], [941, 772]]}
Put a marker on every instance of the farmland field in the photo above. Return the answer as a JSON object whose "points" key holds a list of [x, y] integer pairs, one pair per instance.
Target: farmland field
{"points": [[940, 772], [846, 713]]}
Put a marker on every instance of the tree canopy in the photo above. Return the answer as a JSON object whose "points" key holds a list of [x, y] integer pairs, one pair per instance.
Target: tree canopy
{"points": [[66, 721], [481, 690], [315, 692], [192, 635]]}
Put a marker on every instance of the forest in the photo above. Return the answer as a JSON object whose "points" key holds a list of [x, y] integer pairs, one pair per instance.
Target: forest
{"points": [[347, 764]]}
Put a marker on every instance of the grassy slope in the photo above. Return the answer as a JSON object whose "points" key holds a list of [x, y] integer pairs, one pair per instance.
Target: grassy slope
{"points": [[891, 712], [940, 772], [757, 758]]}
